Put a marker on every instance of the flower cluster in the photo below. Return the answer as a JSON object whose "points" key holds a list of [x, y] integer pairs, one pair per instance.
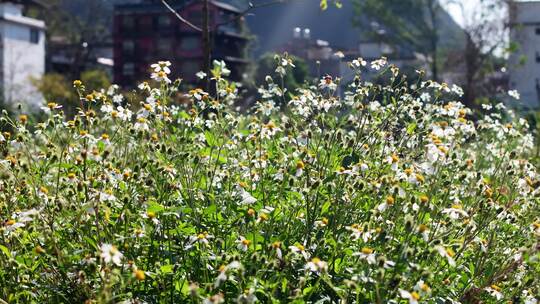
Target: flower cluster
{"points": [[366, 193]]}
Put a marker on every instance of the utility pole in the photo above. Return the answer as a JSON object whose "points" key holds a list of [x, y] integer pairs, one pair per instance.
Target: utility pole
{"points": [[206, 43]]}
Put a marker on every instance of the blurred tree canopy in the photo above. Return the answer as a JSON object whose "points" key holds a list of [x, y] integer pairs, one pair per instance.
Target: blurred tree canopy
{"points": [[405, 23], [76, 25], [59, 89]]}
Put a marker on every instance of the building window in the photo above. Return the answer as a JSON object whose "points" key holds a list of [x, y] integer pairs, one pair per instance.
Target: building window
{"points": [[128, 69], [164, 21], [128, 47], [34, 36], [164, 46], [190, 68], [128, 22], [537, 56], [190, 44], [537, 31], [196, 17]]}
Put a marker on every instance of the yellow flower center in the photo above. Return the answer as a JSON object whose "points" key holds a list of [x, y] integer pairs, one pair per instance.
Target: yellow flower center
{"points": [[139, 275], [367, 250]]}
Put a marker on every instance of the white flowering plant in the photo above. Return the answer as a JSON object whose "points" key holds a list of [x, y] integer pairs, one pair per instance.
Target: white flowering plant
{"points": [[378, 193]]}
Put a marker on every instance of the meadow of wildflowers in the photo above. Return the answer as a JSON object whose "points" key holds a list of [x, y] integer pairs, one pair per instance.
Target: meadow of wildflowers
{"points": [[379, 193]]}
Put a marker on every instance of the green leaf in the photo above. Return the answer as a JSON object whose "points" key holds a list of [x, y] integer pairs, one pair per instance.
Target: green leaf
{"points": [[210, 139], [5, 250], [324, 5], [307, 290], [155, 207], [166, 269], [411, 128]]}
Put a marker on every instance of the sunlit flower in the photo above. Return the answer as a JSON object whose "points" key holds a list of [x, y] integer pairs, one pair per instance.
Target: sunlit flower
{"points": [[110, 254], [455, 212], [316, 265], [412, 297], [243, 243], [367, 254], [448, 253], [299, 249], [514, 94]]}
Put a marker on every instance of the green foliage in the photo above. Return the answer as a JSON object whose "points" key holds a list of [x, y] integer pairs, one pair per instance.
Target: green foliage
{"points": [[372, 196], [324, 4], [94, 80]]}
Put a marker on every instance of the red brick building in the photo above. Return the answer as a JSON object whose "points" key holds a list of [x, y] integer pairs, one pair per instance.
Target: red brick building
{"points": [[147, 32]]}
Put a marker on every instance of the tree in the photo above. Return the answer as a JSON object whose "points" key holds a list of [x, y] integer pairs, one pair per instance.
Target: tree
{"points": [[485, 27], [410, 24], [79, 24]]}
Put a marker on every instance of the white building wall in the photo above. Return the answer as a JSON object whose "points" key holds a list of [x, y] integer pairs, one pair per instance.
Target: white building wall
{"points": [[22, 57], [524, 64]]}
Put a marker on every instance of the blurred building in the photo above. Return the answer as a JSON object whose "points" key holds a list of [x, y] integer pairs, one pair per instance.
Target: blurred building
{"points": [[22, 53], [68, 58], [324, 58], [524, 67], [147, 32]]}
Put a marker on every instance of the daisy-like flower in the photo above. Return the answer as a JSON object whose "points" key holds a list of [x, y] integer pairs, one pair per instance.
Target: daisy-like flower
{"points": [[447, 253], [243, 243], [299, 168], [455, 212], [277, 247], [299, 249], [161, 71], [106, 196], [316, 265], [161, 66], [422, 287], [151, 216], [248, 297], [245, 197], [367, 254], [221, 68], [379, 63], [424, 231], [141, 124], [356, 231], [111, 254], [201, 238], [201, 75], [387, 203], [322, 223], [412, 297], [269, 130], [495, 291], [327, 83], [51, 106], [215, 299], [12, 225], [359, 62], [223, 272], [514, 94]]}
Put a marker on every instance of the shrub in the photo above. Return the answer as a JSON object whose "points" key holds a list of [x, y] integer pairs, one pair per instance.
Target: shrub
{"points": [[387, 194]]}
